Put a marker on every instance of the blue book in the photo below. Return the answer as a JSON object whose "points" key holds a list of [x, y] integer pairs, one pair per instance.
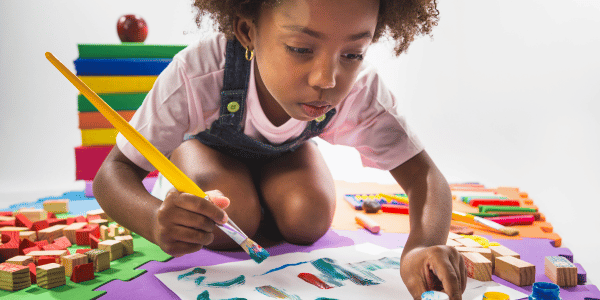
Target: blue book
{"points": [[120, 66]]}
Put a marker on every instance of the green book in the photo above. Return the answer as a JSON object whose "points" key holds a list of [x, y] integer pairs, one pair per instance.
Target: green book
{"points": [[124, 101], [128, 50]]}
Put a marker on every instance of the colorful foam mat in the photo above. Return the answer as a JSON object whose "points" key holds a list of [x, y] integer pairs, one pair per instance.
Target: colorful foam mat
{"points": [[135, 278]]}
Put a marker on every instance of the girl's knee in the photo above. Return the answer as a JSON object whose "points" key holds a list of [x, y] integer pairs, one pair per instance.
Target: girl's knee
{"points": [[306, 226]]}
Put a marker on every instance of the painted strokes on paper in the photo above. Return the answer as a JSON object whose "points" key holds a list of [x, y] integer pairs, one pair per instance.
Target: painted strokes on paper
{"points": [[331, 274]]}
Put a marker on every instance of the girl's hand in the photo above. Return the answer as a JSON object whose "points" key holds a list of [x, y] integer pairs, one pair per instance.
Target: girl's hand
{"points": [[185, 223], [439, 268]]}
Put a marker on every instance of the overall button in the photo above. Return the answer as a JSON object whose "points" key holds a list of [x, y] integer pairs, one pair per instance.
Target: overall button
{"points": [[320, 118], [233, 106]]}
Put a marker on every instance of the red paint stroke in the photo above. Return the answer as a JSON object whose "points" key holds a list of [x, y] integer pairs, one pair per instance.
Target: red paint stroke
{"points": [[314, 280]]}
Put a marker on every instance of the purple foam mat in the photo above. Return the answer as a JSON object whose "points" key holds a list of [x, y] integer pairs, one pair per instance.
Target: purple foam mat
{"points": [[148, 183], [147, 286]]}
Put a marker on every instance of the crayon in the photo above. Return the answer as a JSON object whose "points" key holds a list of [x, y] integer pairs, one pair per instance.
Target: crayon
{"points": [[396, 209], [491, 208], [513, 220], [476, 202], [367, 223]]}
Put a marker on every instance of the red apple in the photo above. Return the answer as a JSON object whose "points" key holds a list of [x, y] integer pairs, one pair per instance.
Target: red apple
{"points": [[132, 28]]}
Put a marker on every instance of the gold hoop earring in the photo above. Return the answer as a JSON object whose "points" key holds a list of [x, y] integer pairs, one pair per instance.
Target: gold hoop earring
{"points": [[251, 54]]}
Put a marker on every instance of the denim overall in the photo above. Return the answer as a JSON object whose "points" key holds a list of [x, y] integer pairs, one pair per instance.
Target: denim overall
{"points": [[226, 134]]}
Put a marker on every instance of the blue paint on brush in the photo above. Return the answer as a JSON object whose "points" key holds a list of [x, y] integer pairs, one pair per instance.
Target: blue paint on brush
{"points": [[257, 253], [192, 272]]}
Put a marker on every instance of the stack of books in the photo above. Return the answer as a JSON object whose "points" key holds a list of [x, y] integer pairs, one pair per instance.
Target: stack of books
{"points": [[122, 75]]}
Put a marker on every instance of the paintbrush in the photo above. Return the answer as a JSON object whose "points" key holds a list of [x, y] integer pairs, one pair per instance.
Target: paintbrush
{"points": [[471, 219], [179, 180]]}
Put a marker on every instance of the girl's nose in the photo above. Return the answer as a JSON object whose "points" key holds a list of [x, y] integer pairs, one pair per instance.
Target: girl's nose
{"points": [[323, 74]]}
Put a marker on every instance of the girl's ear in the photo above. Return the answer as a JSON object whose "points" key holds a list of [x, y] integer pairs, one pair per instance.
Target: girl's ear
{"points": [[244, 30]]}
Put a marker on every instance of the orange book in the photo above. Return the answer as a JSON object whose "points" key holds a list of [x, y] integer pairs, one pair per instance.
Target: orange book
{"points": [[93, 120]]}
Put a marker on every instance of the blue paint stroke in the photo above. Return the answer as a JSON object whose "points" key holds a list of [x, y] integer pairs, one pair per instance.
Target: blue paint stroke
{"points": [[199, 280], [283, 267], [192, 272], [240, 280]]}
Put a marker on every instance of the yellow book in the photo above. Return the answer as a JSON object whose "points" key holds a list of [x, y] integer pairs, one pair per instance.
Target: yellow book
{"points": [[119, 84], [96, 137]]}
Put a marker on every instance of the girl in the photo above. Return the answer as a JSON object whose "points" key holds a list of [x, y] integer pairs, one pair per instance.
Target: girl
{"points": [[234, 113]]}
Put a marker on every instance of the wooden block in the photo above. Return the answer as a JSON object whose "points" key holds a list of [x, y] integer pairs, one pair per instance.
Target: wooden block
{"points": [[454, 236], [32, 273], [561, 271], [104, 233], [14, 277], [70, 261], [14, 228], [57, 206], [113, 230], [123, 231], [51, 233], [99, 222], [487, 253], [63, 242], [100, 212], [514, 270], [22, 260], [453, 243], [83, 272], [54, 253], [469, 243], [100, 258], [503, 251], [478, 267], [28, 235], [127, 241], [44, 260], [82, 235], [33, 214], [50, 275], [70, 231], [6, 218], [39, 225], [114, 247], [93, 241], [11, 244]]}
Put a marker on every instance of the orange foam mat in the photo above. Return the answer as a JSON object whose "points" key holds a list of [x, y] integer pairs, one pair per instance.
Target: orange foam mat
{"points": [[344, 213]]}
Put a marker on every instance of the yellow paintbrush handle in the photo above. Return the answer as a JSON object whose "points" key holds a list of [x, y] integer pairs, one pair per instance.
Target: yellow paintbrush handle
{"points": [[179, 180]]}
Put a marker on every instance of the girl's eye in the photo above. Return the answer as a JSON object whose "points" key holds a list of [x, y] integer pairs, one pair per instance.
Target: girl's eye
{"points": [[353, 56], [298, 50]]}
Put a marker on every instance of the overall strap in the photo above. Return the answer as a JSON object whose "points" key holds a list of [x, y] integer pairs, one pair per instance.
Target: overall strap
{"points": [[235, 85]]}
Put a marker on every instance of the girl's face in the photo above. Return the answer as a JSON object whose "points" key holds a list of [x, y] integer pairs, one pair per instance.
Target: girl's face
{"points": [[308, 53]]}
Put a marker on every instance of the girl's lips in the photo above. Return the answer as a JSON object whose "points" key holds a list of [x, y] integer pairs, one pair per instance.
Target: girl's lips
{"points": [[315, 111]]}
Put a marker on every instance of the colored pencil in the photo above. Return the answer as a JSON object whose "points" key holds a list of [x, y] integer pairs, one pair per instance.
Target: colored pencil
{"points": [[467, 218]]}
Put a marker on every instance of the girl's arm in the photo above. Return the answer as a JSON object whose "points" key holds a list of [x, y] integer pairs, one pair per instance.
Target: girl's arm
{"points": [[119, 190], [426, 260], [181, 224]]}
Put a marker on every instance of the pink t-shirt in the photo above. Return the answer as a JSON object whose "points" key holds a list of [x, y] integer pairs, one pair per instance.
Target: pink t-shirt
{"points": [[185, 99]]}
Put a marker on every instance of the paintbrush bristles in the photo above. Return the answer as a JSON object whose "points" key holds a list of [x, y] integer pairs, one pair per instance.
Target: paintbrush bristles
{"points": [[256, 252], [509, 231]]}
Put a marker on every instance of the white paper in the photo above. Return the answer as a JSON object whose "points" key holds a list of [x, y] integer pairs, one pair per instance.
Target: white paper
{"points": [[287, 281]]}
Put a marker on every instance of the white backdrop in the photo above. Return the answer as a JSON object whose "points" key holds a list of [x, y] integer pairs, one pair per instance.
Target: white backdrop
{"points": [[506, 94]]}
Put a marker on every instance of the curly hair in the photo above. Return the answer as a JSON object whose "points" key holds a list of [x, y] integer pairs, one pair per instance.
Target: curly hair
{"points": [[400, 20]]}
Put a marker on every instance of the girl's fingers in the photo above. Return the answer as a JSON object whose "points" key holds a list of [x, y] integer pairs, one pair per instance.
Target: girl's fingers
{"points": [[192, 220], [200, 206], [189, 235]]}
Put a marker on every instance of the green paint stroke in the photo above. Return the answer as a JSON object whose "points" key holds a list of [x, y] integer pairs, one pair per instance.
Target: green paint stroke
{"points": [[205, 296], [240, 280], [199, 280], [323, 298], [190, 273]]}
